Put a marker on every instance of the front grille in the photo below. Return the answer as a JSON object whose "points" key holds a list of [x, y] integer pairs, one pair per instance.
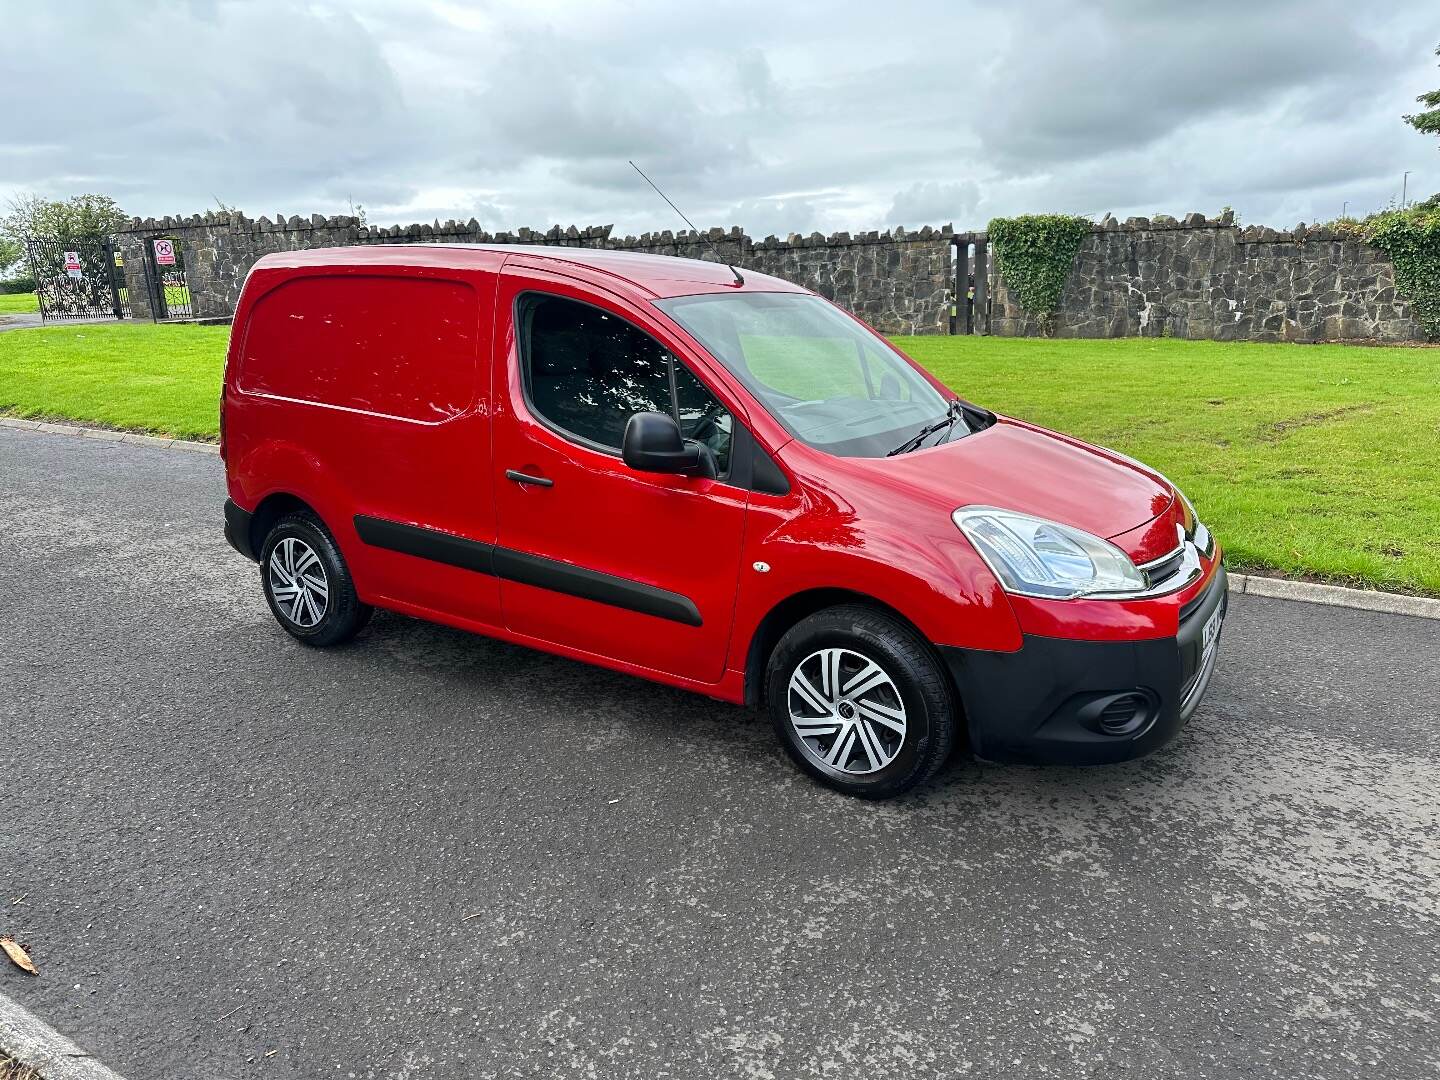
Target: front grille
{"points": [[1158, 572]]}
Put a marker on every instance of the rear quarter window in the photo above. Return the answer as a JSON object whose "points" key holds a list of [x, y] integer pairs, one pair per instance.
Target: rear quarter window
{"points": [[402, 347]]}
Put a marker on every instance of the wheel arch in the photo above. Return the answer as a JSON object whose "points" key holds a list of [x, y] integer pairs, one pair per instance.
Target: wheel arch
{"points": [[789, 611], [270, 510]]}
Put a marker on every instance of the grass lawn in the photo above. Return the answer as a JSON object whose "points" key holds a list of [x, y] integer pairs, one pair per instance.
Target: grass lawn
{"points": [[1306, 460], [29, 304], [24, 303], [133, 375]]}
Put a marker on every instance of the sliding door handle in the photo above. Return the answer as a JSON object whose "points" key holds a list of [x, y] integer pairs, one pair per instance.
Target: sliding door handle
{"points": [[526, 478]]}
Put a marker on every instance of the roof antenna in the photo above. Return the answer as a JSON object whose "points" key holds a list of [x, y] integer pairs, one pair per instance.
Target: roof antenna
{"points": [[738, 279]]}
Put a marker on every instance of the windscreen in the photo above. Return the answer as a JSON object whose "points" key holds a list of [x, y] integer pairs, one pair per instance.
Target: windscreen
{"points": [[829, 380]]}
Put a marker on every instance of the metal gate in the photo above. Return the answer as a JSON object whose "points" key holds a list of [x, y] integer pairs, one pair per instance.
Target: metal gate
{"points": [[78, 277], [170, 288]]}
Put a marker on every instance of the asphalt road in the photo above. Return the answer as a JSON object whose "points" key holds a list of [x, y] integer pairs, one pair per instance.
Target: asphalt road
{"points": [[432, 855]]}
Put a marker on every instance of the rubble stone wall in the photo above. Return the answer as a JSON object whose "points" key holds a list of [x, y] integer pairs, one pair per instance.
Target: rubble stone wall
{"points": [[898, 281], [1209, 279]]}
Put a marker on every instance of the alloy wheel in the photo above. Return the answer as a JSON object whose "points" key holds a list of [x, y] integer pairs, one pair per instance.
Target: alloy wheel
{"points": [[846, 711], [298, 582]]}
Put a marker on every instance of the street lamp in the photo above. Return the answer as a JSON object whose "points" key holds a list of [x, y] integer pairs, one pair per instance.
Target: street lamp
{"points": [[1404, 185]]}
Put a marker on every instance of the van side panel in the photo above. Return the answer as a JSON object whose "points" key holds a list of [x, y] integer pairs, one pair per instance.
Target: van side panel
{"points": [[401, 348], [366, 395]]}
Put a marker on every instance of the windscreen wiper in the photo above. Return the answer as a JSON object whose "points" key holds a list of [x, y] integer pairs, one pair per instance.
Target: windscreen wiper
{"points": [[953, 412]]}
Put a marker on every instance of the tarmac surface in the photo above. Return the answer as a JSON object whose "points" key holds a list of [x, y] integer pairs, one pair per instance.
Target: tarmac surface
{"points": [[428, 854]]}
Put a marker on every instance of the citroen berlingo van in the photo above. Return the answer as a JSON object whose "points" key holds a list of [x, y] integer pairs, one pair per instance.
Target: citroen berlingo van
{"points": [[716, 480]]}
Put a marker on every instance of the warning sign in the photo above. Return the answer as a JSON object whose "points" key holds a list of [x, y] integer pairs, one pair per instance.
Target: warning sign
{"points": [[165, 252], [72, 264]]}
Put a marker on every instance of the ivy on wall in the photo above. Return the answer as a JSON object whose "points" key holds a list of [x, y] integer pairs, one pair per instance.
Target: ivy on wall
{"points": [[1034, 253], [1412, 240]]}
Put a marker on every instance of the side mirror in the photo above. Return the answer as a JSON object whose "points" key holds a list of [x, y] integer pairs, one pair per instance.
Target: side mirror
{"points": [[653, 443]]}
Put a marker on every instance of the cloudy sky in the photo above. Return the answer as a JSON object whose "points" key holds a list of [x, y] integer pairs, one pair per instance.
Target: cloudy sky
{"points": [[779, 116]]}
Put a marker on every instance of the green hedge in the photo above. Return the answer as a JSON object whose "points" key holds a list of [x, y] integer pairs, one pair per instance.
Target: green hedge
{"points": [[1412, 240], [1034, 254], [23, 284]]}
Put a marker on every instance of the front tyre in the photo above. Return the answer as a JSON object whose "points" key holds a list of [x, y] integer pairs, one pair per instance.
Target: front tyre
{"points": [[307, 583], [860, 702]]}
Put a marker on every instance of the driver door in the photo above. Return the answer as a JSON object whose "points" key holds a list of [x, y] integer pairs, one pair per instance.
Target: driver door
{"points": [[592, 555]]}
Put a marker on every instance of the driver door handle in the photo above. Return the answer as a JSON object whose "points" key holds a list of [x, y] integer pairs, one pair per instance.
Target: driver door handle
{"points": [[526, 478]]}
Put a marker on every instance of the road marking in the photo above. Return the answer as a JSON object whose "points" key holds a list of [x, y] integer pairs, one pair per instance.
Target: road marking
{"points": [[31, 1041]]}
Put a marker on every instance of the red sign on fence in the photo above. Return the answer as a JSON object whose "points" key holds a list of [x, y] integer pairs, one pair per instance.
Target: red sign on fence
{"points": [[165, 252]]}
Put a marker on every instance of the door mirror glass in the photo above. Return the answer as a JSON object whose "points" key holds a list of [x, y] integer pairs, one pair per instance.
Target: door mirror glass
{"points": [[653, 443]]}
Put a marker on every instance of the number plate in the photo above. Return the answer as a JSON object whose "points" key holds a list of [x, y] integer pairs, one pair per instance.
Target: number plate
{"points": [[1211, 630]]}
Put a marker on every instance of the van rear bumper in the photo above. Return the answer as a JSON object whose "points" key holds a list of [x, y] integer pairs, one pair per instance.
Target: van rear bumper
{"points": [[1057, 701], [237, 530]]}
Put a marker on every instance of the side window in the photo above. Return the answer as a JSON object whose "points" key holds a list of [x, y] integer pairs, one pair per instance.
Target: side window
{"points": [[588, 371], [701, 417]]}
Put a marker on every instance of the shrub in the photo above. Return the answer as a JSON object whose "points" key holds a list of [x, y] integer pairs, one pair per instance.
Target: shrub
{"points": [[22, 283], [1034, 253], [1411, 238]]}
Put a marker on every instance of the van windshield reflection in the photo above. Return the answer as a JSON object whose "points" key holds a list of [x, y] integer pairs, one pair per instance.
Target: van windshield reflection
{"points": [[829, 380]]}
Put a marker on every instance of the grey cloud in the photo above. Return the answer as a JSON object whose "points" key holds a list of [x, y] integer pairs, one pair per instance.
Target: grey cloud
{"points": [[778, 216], [757, 83], [780, 117], [215, 100], [555, 97], [1076, 81], [932, 203]]}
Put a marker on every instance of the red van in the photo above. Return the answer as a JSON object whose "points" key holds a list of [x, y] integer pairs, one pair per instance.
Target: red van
{"points": [[712, 479]]}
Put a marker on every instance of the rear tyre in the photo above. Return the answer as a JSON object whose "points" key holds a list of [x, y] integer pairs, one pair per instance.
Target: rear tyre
{"points": [[307, 583], [860, 702]]}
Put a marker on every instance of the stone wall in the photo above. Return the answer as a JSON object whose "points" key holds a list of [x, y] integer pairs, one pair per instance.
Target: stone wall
{"points": [[1196, 278], [1209, 279], [899, 281]]}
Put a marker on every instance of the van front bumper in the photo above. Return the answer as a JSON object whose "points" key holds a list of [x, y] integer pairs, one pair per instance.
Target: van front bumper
{"points": [[1087, 702]]}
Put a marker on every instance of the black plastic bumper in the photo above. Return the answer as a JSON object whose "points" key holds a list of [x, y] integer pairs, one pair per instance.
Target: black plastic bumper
{"points": [[1065, 702], [237, 530]]}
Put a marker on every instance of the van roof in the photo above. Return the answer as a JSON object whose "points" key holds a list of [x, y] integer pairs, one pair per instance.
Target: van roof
{"points": [[658, 275]]}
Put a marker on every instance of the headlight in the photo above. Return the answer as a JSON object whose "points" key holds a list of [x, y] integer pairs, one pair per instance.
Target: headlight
{"points": [[1035, 557]]}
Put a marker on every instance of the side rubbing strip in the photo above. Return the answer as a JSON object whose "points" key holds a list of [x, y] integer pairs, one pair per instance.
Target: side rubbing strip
{"points": [[427, 544], [526, 569], [593, 585]]}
